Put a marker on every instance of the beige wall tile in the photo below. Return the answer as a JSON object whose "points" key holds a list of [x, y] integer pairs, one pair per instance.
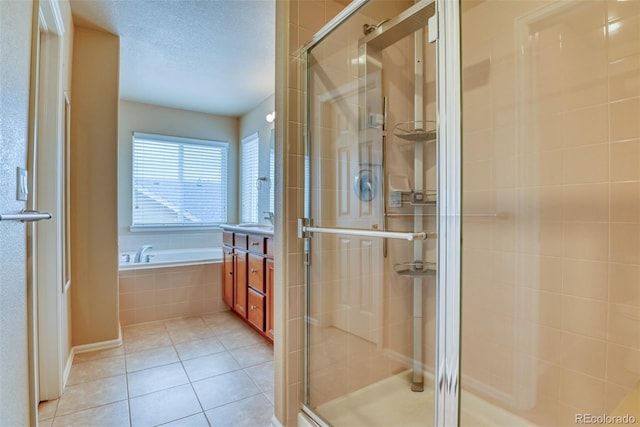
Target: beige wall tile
{"points": [[625, 161], [625, 202], [547, 238], [586, 240], [586, 279], [624, 325], [585, 355], [624, 78], [582, 392], [588, 202], [589, 164], [624, 119], [623, 284], [623, 37], [625, 242], [311, 14], [539, 272], [584, 316], [586, 126], [622, 365]]}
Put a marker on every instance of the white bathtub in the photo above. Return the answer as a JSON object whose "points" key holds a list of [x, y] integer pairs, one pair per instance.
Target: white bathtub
{"points": [[171, 258]]}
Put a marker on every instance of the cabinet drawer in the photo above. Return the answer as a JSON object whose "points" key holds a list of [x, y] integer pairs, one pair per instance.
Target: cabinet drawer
{"points": [[256, 244], [240, 240], [256, 272], [227, 238], [255, 310]]}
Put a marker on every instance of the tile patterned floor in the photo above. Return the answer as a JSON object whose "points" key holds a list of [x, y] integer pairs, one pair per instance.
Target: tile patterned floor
{"points": [[211, 370]]}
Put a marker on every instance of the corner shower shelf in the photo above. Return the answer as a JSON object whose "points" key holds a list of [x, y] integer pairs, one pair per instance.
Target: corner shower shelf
{"points": [[416, 198], [416, 269], [414, 131]]}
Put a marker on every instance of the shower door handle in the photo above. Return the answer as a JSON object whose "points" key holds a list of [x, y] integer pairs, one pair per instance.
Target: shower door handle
{"points": [[306, 230]]}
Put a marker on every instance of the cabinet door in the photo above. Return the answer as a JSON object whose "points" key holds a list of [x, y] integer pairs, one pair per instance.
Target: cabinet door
{"points": [[255, 313], [269, 297], [240, 283], [256, 272], [227, 275]]}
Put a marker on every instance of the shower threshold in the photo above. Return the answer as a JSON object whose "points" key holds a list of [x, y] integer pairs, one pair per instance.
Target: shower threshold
{"points": [[391, 402]]}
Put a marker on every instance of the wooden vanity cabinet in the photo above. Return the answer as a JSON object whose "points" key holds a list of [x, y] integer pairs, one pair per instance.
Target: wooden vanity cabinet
{"points": [[256, 272], [240, 285], [228, 282], [269, 296], [249, 275], [256, 308]]}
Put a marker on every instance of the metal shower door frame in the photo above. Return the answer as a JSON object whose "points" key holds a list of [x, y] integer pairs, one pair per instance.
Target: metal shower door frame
{"points": [[449, 166]]}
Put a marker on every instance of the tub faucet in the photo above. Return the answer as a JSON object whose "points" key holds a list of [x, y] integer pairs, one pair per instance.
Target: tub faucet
{"points": [[141, 252], [269, 216]]}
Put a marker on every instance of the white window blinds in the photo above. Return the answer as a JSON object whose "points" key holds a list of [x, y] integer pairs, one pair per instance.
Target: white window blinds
{"points": [[249, 169], [272, 180], [178, 182]]}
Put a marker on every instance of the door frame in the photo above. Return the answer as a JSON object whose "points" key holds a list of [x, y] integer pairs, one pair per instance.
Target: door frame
{"points": [[449, 155], [47, 282]]}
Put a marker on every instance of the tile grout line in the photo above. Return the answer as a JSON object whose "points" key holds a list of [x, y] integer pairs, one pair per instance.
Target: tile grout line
{"points": [[227, 328]]}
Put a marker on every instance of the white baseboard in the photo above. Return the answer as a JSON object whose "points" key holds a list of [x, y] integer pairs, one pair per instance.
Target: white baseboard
{"points": [[102, 345], [67, 368]]}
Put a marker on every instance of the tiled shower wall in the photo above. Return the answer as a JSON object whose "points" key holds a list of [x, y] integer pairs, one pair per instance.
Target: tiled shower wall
{"points": [[305, 19], [551, 259], [151, 294]]}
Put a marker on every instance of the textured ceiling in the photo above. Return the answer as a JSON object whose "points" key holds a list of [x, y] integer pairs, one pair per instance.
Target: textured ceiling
{"points": [[214, 56]]}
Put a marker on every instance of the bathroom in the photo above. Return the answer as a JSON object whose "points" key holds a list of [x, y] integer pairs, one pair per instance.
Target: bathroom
{"points": [[536, 214], [520, 306]]}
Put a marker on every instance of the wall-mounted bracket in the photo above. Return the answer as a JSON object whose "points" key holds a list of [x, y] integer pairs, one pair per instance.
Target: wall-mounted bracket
{"points": [[303, 223]]}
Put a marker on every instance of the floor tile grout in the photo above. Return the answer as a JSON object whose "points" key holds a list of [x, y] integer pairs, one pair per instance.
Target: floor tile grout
{"points": [[227, 327]]}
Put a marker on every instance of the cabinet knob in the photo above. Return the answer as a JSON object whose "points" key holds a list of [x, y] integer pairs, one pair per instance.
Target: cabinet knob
{"points": [[255, 243], [231, 273], [253, 307], [254, 270]]}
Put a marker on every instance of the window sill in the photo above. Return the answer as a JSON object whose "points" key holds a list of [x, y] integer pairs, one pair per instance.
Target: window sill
{"points": [[168, 228]]}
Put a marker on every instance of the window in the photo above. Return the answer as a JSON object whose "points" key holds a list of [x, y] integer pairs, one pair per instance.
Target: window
{"points": [[272, 173], [178, 182], [249, 178]]}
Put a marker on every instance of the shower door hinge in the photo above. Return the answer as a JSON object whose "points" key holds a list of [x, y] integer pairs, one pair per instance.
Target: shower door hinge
{"points": [[432, 26], [302, 223]]}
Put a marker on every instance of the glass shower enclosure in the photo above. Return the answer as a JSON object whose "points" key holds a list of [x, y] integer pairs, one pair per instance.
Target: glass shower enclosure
{"points": [[472, 214], [370, 219]]}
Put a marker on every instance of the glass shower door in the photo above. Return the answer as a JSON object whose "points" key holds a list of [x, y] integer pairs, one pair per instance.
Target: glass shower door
{"points": [[371, 220]]}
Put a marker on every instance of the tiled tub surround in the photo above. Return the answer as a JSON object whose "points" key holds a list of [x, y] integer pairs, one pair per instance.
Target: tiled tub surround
{"points": [[152, 294], [197, 371]]}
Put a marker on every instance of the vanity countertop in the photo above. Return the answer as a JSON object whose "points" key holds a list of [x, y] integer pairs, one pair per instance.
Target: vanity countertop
{"points": [[249, 228]]}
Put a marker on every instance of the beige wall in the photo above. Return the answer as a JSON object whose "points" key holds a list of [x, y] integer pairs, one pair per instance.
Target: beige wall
{"points": [[551, 138], [251, 122], [138, 117], [94, 149]]}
